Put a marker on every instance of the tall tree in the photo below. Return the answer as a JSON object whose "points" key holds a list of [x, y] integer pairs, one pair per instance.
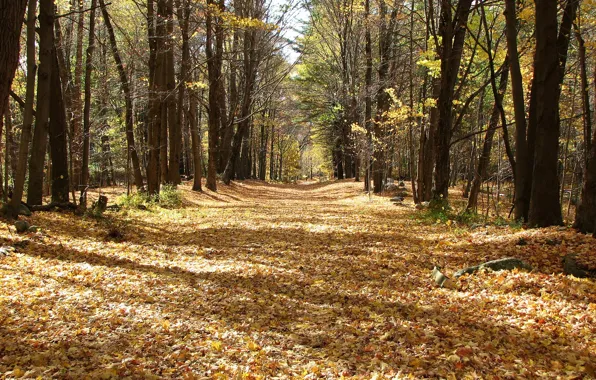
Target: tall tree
{"points": [[124, 84], [452, 28], [549, 69], [214, 36], [57, 130], [44, 81], [87, 107], [11, 21], [19, 181]]}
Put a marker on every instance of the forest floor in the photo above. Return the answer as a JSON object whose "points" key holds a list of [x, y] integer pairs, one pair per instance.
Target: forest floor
{"points": [[313, 281]]}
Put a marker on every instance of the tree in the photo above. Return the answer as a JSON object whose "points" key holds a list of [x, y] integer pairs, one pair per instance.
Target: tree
{"points": [[130, 139], [44, 80], [452, 29], [19, 181], [11, 16], [549, 70]]}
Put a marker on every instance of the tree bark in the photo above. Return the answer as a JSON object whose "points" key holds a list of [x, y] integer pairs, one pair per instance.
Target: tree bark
{"points": [[585, 217], [480, 174], [57, 130], [19, 181], [214, 36], [11, 21], [453, 32], [549, 69], [174, 117], [125, 86], [87, 107], [40, 135]]}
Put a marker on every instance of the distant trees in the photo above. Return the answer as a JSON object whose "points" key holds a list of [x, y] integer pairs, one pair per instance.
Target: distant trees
{"points": [[381, 89], [436, 72]]}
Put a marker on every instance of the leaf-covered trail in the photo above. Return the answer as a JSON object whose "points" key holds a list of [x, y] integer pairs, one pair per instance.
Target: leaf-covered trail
{"points": [[288, 281]]}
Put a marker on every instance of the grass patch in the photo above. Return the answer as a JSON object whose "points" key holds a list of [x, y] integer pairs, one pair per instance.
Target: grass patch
{"points": [[169, 197]]}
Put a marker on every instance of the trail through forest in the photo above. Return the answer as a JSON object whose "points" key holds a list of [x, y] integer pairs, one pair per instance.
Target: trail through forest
{"points": [[311, 280]]}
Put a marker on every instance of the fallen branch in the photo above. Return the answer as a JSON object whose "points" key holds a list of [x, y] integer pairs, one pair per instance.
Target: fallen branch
{"points": [[54, 206]]}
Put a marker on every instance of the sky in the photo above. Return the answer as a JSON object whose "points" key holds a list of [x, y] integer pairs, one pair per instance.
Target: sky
{"points": [[297, 18]]}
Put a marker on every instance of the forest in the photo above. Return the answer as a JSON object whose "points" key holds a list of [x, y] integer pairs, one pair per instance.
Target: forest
{"points": [[306, 189]]}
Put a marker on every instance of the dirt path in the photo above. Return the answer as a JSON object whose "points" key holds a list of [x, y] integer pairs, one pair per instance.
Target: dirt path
{"points": [[287, 281]]}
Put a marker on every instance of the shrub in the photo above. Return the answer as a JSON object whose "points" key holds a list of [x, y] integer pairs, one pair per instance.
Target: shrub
{"points": [[169, 197], [135, 200]]}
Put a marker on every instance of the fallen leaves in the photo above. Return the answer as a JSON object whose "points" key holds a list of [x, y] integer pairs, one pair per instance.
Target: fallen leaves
{"points": [[288, 281]]}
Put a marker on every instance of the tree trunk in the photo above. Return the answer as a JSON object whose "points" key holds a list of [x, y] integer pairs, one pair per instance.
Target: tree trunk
{"points": [[87, 107], [585, 218], [251, 63], [480, 174], [76, 140], [58, 147], [11, 21], [174, 118], [19, 181], [40, 136], [453, 32], [549, 69], [214, 36], [195, 125], [130, 140]]}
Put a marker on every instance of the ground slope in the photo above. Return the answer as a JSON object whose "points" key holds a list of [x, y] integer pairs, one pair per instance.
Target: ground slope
{"points": [[288, 281]]}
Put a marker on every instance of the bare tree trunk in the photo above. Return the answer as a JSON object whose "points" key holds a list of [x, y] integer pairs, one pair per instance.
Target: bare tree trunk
{"points": [[130, 140], [76, 141], [40, 136], [214, 52], [585, 217], [522, 156], [57, 129], [549, 69], [11, 21], [196, 139], [174, 117], [480, 174], [453, 32], [87, 107], [19, 181]]}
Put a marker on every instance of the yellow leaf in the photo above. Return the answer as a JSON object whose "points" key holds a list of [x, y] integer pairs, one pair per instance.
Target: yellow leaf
{"points": [[216, 345], [252, 346]]}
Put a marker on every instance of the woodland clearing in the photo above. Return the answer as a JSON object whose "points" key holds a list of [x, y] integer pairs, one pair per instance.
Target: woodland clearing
{"points": [[262, 280]]}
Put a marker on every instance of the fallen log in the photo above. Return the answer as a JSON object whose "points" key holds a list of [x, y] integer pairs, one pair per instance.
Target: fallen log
{"points": [[573, 268], [508, 263], [54, 206]]}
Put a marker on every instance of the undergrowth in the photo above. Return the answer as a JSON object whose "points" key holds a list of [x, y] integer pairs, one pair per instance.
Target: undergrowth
{"points": [[440, 211], [168, 197]]}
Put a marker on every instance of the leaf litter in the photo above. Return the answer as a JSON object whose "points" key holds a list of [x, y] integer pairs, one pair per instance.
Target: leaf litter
{"points": [[289, 281]]}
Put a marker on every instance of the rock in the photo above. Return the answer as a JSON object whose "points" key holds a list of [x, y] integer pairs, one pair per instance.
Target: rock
{"points": [[101, 204], [441, 280], [508, 263], [22, 226], [21, 244], [402, 184], [397, 199], [390, 187], [571, 267], [476, 225], [24, 210], [5, 251]]}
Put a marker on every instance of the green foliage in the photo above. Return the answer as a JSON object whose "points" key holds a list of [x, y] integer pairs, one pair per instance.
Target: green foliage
{"points": [[135, 200], [168, 197]]}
